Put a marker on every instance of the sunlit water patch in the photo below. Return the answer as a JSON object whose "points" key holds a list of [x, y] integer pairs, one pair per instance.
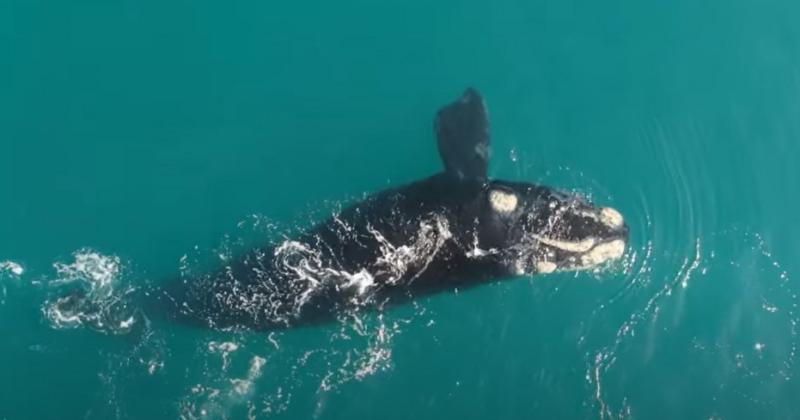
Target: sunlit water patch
{"points": [[725, 320], [705, 308]]}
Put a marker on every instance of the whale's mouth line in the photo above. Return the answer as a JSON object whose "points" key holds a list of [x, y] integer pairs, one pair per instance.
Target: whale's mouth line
{"points": [[569, 246], [587, 253]]}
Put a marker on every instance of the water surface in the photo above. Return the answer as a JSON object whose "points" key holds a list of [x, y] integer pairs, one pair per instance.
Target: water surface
{"points": [[142, 139]]}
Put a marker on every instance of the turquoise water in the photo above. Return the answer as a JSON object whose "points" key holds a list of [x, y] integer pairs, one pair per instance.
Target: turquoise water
{"points": [[142, 139]]}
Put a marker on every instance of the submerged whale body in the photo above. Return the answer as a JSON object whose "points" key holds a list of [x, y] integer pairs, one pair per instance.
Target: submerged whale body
{"points": [[454, 229]]}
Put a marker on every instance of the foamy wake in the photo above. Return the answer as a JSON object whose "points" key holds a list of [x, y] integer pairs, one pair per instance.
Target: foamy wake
{"points": [[95, 291], [303, 273], [235, 380], [11, 267], [89, 292]]}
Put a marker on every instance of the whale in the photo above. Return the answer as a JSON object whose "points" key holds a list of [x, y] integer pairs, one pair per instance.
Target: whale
{"points": [[453, 229]]}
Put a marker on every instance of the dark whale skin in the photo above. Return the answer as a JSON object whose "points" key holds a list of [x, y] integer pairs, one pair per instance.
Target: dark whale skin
{"points": [[348, 243], [454, 229]]}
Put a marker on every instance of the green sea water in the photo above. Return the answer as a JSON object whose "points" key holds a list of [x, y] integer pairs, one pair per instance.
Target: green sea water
{"points": [[143, 139]]}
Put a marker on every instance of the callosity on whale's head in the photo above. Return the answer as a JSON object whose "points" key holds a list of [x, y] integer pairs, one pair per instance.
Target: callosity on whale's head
{"points": [[535, 229], [541, 230]]}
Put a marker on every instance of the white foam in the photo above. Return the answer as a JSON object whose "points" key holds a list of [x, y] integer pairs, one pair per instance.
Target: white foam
{"points": [[224, 348], [15, 270], [12, 267], [88, 293], [244, 387], [397, 261], [94, 268], [127, 324], [362, 281], [59, 319]]}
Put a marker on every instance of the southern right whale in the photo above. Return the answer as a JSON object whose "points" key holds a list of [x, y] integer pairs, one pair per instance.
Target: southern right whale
{"points": [[456, 228]]}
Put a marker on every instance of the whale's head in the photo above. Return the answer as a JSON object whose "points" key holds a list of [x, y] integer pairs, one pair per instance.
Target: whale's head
{"points": [[531, 228], [536, 229]]}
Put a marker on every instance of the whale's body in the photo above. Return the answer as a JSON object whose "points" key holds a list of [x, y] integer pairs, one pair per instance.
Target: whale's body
{"points": [[453, 229]]}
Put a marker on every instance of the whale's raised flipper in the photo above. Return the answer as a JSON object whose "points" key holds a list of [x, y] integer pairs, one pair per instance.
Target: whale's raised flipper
{"points": [[462, 131]]}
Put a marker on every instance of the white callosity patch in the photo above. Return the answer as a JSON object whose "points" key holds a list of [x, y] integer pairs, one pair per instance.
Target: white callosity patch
{"points": [[502, 201], [611, 217], [577, 246], [545, 267], [591, 251], [604, 252]]}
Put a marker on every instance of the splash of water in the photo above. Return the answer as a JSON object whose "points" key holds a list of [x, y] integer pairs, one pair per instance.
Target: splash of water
{"points": [[359, 346], [90, 292], [12, 270]]}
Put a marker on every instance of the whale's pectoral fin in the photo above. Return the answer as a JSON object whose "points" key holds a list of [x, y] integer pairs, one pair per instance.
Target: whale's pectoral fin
{"points": [[462, 130]]}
